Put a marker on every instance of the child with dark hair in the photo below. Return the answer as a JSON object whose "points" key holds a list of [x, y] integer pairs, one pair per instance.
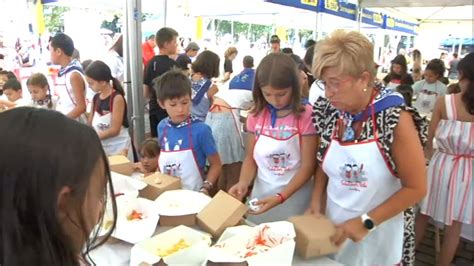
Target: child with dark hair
{"points": [[149, 152], [70, 83], [430, 88], [398, 73], [157, 66], [407, 92], [4, 76], [281, 144], [12, 89], [205, 68], [450, 191], [108, 115], [40, 92], [186, 142], [54, 189]]}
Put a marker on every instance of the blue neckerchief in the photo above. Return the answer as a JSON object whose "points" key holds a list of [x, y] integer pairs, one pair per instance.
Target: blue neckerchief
{"points": [[304, 100], [191, 119], [73, 65], [243, 81], [386, 99], [273, 112]]}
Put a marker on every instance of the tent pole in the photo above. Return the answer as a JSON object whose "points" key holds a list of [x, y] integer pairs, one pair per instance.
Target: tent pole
{"points": [[134, 13], [126, 73]]}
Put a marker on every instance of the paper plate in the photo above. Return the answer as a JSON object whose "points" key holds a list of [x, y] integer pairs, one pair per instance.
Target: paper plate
{"points": [[181, 202]]}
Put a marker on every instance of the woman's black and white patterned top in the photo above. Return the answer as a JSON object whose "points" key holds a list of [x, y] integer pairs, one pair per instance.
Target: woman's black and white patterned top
{"points": [[325, 116]]}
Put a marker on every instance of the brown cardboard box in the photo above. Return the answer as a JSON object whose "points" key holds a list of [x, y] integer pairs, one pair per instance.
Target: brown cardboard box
{"points": [[223, 211], [121, 165], [154, 188], [312, 236], [188, 220]]}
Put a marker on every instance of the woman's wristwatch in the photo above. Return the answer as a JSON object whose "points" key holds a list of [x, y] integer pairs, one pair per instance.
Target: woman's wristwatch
{"points": [[368, 222], [206, 186]]}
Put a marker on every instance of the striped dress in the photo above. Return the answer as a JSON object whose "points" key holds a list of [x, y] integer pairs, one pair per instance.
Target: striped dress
{"points": [[450, 173]]}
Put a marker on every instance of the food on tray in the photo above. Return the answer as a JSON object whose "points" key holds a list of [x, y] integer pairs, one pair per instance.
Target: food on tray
{"points": [[135, 216], [259, 242], [181, 244]]}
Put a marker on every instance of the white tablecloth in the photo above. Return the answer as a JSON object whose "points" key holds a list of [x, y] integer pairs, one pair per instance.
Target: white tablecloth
{"points": [[117, 253]]}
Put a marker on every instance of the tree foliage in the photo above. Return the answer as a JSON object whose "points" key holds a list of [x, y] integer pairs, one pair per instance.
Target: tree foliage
{"points": [[53, 17]]}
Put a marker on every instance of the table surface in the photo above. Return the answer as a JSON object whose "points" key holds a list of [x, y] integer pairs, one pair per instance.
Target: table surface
{"points": [[117, 253]]}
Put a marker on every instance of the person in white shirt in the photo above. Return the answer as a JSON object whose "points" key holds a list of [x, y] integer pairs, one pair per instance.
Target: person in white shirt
{"points": [[430, 88]]}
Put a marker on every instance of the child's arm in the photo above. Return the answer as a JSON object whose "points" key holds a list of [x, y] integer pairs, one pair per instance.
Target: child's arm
{"points": [[308, 162], [215, 167], [318, 197], [78, 91], [117, 119], [248, 171], [6, 103], [90, 117]]}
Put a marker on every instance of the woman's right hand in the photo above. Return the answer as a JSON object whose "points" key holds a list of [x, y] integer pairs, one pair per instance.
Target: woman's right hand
{"points": [[239, 190]]}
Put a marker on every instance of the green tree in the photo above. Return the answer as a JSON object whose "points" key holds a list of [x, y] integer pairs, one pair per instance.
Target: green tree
{"points": [[53, 17]]}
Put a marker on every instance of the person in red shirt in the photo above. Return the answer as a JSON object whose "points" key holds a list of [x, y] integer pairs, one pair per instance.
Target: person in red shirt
{"points": [[148, 49]]}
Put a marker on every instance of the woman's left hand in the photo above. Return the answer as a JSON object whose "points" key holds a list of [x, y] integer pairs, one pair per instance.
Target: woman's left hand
{"points": [[265, 205], [352, 229]]}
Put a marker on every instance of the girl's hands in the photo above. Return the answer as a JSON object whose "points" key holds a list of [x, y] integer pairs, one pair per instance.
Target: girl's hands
{"points": [[265, 204], [239, 190]]}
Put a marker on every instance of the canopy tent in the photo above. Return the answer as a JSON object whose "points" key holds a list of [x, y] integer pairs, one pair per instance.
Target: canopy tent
{"points": [[413, 3]]}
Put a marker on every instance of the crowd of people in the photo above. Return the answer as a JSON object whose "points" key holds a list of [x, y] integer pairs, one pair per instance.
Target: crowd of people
{"points": [[320, 135]]}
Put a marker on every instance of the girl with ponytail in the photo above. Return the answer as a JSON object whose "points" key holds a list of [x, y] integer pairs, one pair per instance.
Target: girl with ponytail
{"points": [[109, 109], [40, 92]]}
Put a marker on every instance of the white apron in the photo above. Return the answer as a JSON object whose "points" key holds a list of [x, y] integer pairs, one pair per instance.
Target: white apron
{"points": [[425, 101], [115, 145], [278, 160], [393, 84], [66, 101], [181, 163], [359, 181]]}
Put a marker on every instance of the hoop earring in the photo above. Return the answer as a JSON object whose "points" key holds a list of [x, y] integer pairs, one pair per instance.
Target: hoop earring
{"points": [[365, 90]]}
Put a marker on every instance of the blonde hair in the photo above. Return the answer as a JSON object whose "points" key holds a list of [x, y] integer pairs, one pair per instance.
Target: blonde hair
{"points": [[230, 51], [350, 52]]}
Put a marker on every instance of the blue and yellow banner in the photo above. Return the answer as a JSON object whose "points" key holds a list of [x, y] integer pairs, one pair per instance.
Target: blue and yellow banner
{"points": [[400, 25]]}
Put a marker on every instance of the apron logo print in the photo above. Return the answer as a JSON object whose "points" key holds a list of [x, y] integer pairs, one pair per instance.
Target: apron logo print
{"points": [[103, 126], [173, 169], [278, 162], [353, 176]]}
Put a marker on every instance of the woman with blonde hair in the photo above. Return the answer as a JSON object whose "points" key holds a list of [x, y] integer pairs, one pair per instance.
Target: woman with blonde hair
{"points": [[370, 153], [229, 56]]}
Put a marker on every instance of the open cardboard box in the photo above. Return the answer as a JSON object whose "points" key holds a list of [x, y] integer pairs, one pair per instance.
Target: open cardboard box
{"points": [[120, 164], [178, 246], [158, 183], [313, 236], [180, 207], [134, 230], [266, 244], [222, 212]]}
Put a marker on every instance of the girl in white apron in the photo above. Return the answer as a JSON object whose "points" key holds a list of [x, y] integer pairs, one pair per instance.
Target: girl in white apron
{"points": [[398, 73], [281, 144], [109, 110], [40, 92]]}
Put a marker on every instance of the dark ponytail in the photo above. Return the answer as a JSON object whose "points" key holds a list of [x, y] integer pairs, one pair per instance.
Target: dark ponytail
{"points": [[99, 71], [466, 70], [117, 85]]}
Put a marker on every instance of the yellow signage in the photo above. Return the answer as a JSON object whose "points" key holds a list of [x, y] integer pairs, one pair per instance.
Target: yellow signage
{"points": [[390, 23], [332, 5], [310, 2], [377, 18]]}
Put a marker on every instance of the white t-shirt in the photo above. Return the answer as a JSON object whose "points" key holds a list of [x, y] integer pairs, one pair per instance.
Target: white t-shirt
{"points": [[241, 99], [438, 87]]}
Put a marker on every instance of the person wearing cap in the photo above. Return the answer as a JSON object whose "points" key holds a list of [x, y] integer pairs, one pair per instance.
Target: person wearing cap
{"points": [[148, 49], [184, 59], [274, 44]]}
